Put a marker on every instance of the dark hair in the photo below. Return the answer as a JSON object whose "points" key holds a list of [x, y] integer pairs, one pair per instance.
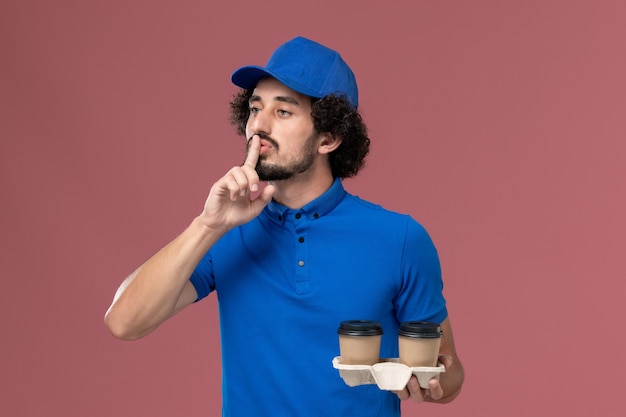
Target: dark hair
{"points": [[331, 114]]}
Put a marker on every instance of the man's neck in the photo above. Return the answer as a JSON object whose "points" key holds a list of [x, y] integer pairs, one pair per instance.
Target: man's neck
{"points": [[298, 192]]}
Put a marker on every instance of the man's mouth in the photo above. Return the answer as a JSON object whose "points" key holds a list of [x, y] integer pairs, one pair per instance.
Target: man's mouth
{"points": [[265, 146], [266, 143]]}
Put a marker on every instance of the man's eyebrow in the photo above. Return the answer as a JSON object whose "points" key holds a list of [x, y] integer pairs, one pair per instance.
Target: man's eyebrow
{"points": [[287, 99], [284, 99]]}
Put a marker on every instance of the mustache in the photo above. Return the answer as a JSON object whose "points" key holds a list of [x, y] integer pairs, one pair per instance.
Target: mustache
{"points": [[266, 137]]}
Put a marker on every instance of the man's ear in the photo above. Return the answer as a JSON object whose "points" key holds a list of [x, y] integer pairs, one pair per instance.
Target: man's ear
{"points": [[328, 143]]}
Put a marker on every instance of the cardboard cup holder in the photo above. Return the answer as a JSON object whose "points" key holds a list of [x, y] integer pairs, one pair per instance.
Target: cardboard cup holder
{"points": [[388, 374]]}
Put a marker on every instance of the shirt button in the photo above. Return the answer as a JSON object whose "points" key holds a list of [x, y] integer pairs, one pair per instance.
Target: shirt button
{"points": [[301, 239], [298, 215], [300, 263], [316, 216]]}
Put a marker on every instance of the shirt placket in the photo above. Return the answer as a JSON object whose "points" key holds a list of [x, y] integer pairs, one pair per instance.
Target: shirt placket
{"points": [[301, 222]]}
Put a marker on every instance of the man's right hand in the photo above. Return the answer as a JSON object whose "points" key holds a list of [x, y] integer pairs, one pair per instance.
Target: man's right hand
{"points": [[160, 287], [231, 201]]}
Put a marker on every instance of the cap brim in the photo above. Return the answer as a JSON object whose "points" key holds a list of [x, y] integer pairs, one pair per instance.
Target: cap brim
{"points": [[248, 77]]}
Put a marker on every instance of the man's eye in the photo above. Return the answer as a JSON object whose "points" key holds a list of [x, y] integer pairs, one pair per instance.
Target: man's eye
{"points": [[254, 110], [284, 113]]}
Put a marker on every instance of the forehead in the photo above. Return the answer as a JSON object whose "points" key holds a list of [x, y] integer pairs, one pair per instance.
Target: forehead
{"points": [[272, 89]]}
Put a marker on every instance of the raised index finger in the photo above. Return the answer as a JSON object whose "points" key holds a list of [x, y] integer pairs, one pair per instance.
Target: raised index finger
{"points": [[254, 147]]}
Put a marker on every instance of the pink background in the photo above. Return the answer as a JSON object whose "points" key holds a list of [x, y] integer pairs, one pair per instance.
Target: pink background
{"points": [[499, 125]]}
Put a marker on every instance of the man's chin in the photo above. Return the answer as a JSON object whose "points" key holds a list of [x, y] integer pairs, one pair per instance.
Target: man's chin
{"points": [[271, 172], [269, 176]]}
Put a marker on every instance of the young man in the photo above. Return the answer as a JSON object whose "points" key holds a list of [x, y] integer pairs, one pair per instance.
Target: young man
{"points": [[294, 259]]}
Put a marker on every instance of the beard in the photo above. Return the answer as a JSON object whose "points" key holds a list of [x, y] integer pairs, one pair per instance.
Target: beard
{"points": [[279, 172]]}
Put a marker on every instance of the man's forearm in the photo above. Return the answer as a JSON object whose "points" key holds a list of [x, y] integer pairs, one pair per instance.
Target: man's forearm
{"points": [[150, 295]]}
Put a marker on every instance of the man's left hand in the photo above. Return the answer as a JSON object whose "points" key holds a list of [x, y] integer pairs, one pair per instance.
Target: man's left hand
{"points": [[418, 394]]}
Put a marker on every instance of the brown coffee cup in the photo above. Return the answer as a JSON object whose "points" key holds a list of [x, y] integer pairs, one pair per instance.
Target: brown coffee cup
{"points": [[359, 342], [418, 343]]}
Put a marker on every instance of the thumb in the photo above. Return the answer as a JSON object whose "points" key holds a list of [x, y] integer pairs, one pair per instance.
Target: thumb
{"points": [[446, 360], [266, 195]]}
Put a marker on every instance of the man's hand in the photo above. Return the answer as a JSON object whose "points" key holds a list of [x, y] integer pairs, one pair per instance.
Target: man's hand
{"points": [[434, 392], [231, 201]]}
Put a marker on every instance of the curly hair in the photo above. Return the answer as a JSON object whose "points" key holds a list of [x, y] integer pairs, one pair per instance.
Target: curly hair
{"points": [[332, 114]]}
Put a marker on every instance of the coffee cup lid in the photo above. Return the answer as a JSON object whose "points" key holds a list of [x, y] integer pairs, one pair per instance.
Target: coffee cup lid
{"points": [[420, 329], [360, 328]]}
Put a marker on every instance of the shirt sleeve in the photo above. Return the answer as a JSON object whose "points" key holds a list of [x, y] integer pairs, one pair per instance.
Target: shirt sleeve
{"points": [[421, 293], [202, 277]]}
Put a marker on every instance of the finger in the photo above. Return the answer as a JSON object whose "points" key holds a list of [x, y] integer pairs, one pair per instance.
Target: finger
{"points": [[241, 181], [235, 182], [415, 391], [435, 389], [252, 178], [403, 395], [254, 148], [230, 184]]}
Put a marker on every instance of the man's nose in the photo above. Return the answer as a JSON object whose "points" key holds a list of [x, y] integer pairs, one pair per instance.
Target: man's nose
{"points": [[259, 123]]}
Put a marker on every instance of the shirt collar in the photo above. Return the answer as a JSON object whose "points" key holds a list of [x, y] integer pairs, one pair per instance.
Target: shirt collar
{"points": [[317, 208]]}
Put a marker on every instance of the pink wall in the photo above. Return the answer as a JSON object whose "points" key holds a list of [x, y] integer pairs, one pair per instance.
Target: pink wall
{"points": [[499, 125]]}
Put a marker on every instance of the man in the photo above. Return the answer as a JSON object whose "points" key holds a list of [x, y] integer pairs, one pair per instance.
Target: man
{"points": [[292, 260]]}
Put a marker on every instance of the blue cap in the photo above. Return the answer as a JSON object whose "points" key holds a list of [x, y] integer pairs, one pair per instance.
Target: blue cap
{"points": [[304, 66]]}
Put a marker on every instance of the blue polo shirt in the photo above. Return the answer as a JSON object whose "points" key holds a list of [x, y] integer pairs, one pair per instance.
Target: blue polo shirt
{"points": [[285, 281]]}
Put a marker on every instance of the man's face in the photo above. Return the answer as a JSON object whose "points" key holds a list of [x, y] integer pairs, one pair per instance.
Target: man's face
{"points": [[282, 119]]}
